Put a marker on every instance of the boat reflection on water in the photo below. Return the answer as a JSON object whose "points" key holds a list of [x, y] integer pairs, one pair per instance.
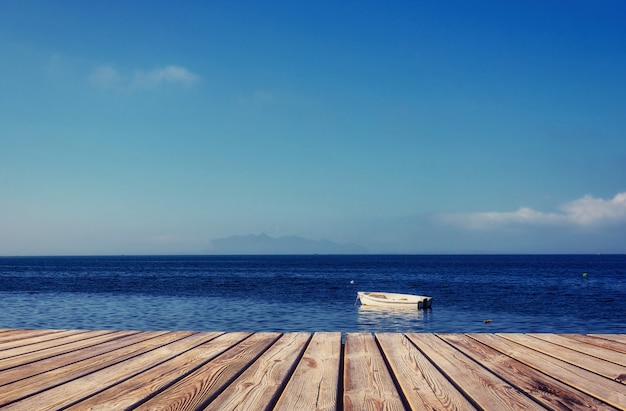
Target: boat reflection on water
{"points": [[381, 319]]}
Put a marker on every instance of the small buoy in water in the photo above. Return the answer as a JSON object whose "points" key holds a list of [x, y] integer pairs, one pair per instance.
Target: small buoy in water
{"points": [[487, 321], [584, 274], [351, 281]]}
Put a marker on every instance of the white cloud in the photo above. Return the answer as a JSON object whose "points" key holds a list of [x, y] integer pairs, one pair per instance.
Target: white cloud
{"points": [[165, 75], [107, 77], [589, 210], [586, 211]]}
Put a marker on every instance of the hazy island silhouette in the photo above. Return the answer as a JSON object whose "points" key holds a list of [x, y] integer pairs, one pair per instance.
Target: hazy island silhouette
{"points": [[264, 244]]}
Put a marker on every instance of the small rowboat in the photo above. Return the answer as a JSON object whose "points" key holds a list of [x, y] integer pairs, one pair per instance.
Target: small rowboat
{"points": [[392, 300]]}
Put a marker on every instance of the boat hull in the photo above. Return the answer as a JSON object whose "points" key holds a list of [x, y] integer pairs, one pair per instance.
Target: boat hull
{"points": [[392, 300]]}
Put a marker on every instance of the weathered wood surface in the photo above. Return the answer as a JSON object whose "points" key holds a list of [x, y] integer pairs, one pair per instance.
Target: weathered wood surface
{"points": [[315, 382], [137, 370]]}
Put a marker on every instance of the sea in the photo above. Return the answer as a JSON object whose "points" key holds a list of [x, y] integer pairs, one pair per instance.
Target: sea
{"points": [[471, 293]]}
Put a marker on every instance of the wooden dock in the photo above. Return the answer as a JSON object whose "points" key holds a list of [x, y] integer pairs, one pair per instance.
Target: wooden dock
{"points": [[84, 370]]}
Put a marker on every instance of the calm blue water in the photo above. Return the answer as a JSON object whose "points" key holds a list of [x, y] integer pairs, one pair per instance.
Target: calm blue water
{"points": [[315, 293]]}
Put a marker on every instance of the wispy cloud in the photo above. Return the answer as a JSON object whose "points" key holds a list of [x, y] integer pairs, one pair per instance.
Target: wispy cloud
{"points": [[587, 211], [166, 75], [108, 77]]}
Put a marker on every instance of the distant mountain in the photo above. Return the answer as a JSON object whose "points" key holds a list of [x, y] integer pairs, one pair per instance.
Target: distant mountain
{"points": [[264, 244]]}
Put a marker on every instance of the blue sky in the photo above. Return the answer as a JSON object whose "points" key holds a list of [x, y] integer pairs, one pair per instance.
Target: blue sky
{"points": [[405, 127]]}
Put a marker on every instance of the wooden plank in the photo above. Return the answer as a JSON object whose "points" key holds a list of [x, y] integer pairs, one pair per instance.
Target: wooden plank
{"points": [[315, 381], [620, 338], [260, 384], [546, 390], [602, 388], [600, 342], [78, 389], [36, 343], [485, 389], [583, 347], [367, 382], [597, 365], [10, 335], [31, 367], [72, 343], [136, 389], [424, 387], [51, 369], [44, 380], [202, 385]]}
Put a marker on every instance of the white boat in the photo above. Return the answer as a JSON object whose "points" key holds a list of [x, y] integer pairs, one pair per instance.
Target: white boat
{"points": [[380, 299]]}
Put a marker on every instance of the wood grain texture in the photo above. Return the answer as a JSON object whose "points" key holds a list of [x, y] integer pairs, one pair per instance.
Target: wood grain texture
{"points": [[578, 358], [36, 364], [486, 389], [76, 390], [314, 383], [144, 385], [620, 338], [261, 383], [578, 378], [158, 370], [602, 353], [546, 390], [75, 343], [21, 336], [45, 380], [46, 341], [201, 386], [424, 387], [368, 384], [600, 342]]}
